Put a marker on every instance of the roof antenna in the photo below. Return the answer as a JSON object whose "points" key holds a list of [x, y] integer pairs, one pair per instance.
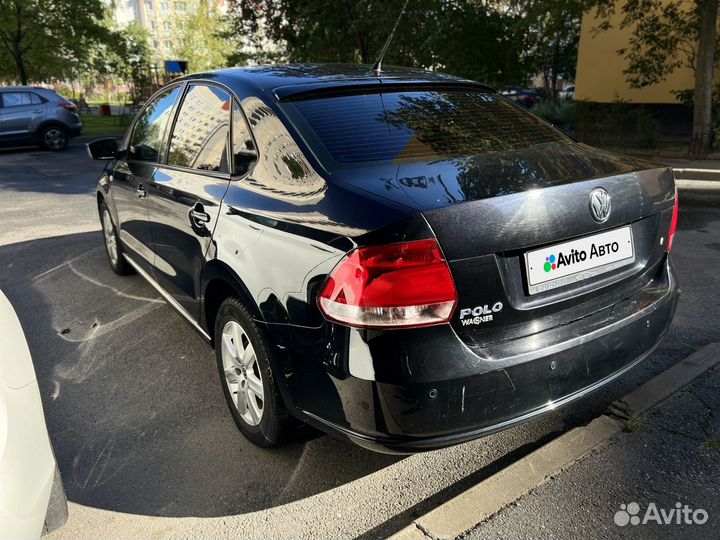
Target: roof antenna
{"points": [[377, 66]]}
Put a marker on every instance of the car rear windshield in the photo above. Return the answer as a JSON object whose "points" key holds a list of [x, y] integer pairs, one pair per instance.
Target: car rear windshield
{"points": [[415, 126]]}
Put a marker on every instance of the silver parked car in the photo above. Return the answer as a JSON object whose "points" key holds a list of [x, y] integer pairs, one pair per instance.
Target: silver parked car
{"points": [[37, 116]]}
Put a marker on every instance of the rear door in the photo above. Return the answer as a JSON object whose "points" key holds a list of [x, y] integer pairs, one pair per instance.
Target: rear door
{"points": [[186, 191], [20, 111], [132, 174]]}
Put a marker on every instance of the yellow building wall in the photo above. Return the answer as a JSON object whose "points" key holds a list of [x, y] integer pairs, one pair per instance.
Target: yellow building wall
{"points": [[600, 77]]}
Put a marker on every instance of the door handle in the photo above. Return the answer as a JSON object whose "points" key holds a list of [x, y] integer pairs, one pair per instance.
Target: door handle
{"points": [[140, 192], [37, 111], [198, 219]]}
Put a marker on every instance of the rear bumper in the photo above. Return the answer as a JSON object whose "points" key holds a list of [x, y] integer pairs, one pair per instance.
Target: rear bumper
{"points": [[441, 392], [32, 498]]}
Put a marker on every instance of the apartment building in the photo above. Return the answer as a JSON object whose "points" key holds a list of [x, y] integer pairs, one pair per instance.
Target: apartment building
{"points": [[160, 19]]}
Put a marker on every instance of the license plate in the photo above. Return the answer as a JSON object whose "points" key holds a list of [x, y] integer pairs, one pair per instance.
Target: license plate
{"points": [[562, 264]]}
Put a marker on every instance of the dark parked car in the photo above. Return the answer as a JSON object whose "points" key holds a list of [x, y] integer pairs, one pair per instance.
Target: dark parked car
{"points": [[408, 261], [37, 116], [527, 97]]}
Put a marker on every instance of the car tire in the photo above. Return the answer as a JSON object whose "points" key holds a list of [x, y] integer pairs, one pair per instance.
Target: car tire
{"points": [[113, 248], [244, 373], [54, 138]]}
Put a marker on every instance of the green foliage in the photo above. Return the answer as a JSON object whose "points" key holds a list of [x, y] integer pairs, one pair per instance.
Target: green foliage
{"points": [[492, 41], [553, 33], [714, 443], [104, 125], [687, 98], [559, 112], [616, 124], [664, 37], [124, 55], [201, 37], [43, 39]]}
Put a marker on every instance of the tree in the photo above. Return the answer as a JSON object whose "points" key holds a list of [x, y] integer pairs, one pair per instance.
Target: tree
{"points": [[134, 55], [553, 32], [200, 40], [477, 39], [40, 39], [667, 36]]}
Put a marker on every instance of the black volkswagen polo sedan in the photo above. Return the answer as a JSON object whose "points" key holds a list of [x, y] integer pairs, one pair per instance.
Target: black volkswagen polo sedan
{"points": [[407, 260]]}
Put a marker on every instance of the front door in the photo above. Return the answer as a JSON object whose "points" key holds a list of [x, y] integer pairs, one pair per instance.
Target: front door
{"points": [[21, 111], [132, 175], [186, 192]]}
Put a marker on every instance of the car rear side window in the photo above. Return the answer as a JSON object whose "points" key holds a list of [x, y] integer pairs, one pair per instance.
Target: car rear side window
{"points": [[415, 126], [244, 153], [149, 131], [200, 135]]}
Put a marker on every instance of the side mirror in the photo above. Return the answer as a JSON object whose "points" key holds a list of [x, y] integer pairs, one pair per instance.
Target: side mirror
{"points": [[103, 148]]}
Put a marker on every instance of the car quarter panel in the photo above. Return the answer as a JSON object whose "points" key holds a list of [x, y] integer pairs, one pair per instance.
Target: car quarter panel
{"points": [[284, 215]]}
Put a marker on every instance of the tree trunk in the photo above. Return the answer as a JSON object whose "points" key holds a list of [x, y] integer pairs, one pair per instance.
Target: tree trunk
{"points": [[20, 64], [702, 110]]}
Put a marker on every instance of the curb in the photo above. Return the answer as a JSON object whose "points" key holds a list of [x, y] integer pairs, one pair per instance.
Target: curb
{"points": [[711, 175], [697, 184], [477, 504]]}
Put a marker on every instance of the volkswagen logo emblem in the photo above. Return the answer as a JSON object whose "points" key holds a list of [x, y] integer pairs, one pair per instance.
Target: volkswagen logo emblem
{"points": [[600, 205]]}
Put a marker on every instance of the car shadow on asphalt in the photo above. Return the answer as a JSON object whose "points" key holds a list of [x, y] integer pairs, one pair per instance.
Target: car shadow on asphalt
{"points": [[133, 401], [69, 172]]}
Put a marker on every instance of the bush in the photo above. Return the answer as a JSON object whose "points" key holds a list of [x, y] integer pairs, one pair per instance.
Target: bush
{"points": [[617, 124], [560, 113]]}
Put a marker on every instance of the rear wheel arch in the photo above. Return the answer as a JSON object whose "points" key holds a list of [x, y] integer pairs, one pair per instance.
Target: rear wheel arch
{"points": [[50, 123], [219, 283]]}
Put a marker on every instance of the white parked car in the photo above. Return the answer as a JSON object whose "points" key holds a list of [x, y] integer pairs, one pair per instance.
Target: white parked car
{"points": [[32, 498], [567, 93]]}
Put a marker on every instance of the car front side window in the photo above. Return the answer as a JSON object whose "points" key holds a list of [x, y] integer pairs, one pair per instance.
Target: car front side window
{"points": [[200, 134], [148, 134]]}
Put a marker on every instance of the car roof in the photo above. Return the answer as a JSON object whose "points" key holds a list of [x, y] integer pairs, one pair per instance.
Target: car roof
{"points": [[16, 88], [289, 80]]}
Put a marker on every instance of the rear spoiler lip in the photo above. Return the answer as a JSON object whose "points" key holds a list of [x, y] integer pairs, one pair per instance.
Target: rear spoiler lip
{"points": [[300, 92]]}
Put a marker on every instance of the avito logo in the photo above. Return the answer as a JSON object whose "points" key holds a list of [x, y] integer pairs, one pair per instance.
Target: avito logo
{"points": [[576, 256], [550, 263]]}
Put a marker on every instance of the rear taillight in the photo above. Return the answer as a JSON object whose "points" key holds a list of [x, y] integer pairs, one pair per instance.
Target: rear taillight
{"points": [[67, 106], [673, 223], [406, 284]]}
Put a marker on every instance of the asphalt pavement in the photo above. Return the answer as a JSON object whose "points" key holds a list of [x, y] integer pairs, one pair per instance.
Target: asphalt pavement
{"points": [[135, 410], [667, 460]]}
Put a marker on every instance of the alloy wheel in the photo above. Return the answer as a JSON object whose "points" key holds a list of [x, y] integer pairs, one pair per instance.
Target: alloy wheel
{"points": [[243, 377], [54, 138], [110, 239]]}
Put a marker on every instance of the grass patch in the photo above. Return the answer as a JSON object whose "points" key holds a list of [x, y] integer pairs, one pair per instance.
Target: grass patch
{"points": [[632, 426], [714, 443], [104, 125]]}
